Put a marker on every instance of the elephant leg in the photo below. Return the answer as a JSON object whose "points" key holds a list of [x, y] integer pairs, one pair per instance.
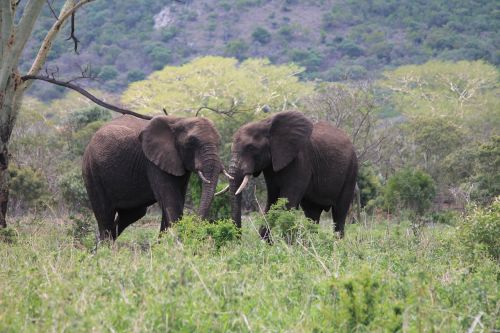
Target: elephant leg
{"points": [[311, 210], [341, 208], [128, 216], [103, 211]]}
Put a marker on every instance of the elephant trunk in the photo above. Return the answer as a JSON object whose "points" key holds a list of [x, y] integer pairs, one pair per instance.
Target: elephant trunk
{"points": [[209, 173], [234, 185]]}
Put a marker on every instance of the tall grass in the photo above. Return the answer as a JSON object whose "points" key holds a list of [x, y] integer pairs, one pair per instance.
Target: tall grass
{"points": [[384, 276]]}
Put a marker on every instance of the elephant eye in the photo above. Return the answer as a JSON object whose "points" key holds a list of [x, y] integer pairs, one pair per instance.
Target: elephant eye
{"points": [[192, 140]]}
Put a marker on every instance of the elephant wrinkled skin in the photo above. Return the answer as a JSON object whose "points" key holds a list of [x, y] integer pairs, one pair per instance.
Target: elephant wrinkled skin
{"points": [[314, 166], [131, 163]]}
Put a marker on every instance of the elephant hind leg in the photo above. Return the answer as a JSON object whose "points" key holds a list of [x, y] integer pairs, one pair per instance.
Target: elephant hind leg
{"points": [[341, 208], [311, 210], [126, 217], [103, 210]]}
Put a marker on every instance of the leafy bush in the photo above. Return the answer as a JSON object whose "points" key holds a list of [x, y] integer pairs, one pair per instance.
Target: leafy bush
{"points": [[83, 229], [409, 189], [449, 217], [73, 189], [360, 302], [28, 187], [237, 48], [481, 229], [108, 72], [81, 118], [193, 231], [291, 226], [261, 35], [487, 175], [369, 185]]}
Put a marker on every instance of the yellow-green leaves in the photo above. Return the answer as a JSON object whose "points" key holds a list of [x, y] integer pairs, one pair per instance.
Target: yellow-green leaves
{"points": [[438, 88], [218, 83]]}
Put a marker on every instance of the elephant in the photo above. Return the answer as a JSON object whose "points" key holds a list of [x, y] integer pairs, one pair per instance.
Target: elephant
{"points": [[314, 166], [131, 163]]}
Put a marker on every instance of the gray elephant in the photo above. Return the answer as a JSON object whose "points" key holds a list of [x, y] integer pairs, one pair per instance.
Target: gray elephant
{"points": [[314, 166], [131, 163]]}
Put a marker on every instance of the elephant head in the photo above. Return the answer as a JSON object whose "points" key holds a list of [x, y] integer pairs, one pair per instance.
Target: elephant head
{"points": [[178, 145], [273, 142]]}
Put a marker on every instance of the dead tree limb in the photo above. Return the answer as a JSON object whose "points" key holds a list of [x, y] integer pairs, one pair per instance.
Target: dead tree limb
{"points": [[86, 94]]}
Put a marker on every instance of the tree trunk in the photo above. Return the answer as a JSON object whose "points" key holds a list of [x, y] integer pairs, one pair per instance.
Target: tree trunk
{"points": [[10, 102]]}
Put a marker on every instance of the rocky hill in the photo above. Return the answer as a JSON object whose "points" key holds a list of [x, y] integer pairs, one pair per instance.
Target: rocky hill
{"points": [[334, 39]]}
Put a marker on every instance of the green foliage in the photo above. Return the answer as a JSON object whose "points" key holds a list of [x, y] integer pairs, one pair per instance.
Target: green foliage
{"points": [[80, 118], [360, 302], [73, 189], [193, 231], [369, 186], [290, 226], [28, 187], [449, 217], [487, 176], [8, 235], [237, 48], [409, 189], [481, 230], [83, 229], [261, 35], [377, 277], [108, 73]]}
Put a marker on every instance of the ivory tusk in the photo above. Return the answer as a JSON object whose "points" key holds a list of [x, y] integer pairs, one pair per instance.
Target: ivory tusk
{"points": [[243, 184], [224, 190], [203, 177], [227, 174]]}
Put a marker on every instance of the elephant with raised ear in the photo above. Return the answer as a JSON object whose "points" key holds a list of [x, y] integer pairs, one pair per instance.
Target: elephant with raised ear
{"points": [[314, 166], [131, 163]]}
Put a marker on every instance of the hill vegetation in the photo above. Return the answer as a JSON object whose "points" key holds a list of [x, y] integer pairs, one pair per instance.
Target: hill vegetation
{"points": [[335, 40]]}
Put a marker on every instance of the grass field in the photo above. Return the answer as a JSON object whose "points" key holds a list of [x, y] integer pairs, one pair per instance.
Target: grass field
{"points": [[383, 277]]}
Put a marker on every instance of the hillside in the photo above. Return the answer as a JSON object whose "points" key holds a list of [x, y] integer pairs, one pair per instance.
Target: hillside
{"points": [[334, 40]]}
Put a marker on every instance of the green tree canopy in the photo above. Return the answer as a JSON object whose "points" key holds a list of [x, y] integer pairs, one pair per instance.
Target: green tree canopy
{"points": [[221, 84], [464, 91]]}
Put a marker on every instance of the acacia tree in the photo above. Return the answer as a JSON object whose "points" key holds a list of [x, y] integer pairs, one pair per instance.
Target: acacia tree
{"points": [[16, 26]]}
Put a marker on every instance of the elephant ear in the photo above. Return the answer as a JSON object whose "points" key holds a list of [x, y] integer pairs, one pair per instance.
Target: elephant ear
{"points": [[288, 134], [158, 144]]}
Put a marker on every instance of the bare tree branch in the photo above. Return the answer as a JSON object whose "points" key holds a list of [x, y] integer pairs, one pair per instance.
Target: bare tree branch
{"points": [[86, 94], [72, 35], [52, 10], [51, 35]]}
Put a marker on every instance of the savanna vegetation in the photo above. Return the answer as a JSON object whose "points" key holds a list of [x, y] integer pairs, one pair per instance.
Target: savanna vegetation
{"points": [[423, 254]]}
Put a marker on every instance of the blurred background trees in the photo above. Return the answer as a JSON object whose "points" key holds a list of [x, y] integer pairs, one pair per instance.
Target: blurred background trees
{"points": [[427, 136]]}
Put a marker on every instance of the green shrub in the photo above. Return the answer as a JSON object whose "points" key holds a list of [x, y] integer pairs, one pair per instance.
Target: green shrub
{"points": [[448, 217], [81, 118], [481, 229], [361, 302], [289, 225], [409, 189], [108, 72], [194, 232], [487, 175], [8, 235], [73, 189], [369, 186], [83, 229], [28, 187], [261, 35], [237, 48]]}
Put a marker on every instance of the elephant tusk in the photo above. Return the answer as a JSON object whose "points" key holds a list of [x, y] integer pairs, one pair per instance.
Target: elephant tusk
{"points": [[224, 190], [227, 174], [203, 177], [243, 184]]}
